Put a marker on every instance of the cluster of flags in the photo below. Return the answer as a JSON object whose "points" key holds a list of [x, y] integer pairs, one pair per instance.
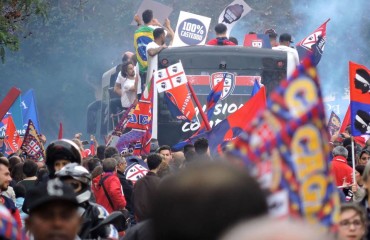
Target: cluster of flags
{"points": [[20, 126]]}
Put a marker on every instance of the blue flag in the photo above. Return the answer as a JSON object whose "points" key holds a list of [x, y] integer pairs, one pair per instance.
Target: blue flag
{"points": [[29, 110], [256, 88]]}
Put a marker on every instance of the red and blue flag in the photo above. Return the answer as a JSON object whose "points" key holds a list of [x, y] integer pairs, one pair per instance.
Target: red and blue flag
{"points": [[359, 82], [286, 148], [313, 44]]}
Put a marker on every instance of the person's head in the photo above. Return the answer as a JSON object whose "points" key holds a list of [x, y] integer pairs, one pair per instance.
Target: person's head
{"points": [[272, 36], [5, 177], [285, 39], [153, 161], [30, 168], [127, 56], [154, 145], [159, 36], [78, 142], [217, 201], [121, 162], [271, 229], [352, 222], [359, 173], [100, 151], [61, 152], [53, 211], [79, 178], [201, 146], [147, 16], [109, 165], [17, 172], [363, 157], [110, 151], [220, 30], [128, 70], [93, 163], [233, 40], [13, 160], [340, 151], [166, 153], [188, 147]]}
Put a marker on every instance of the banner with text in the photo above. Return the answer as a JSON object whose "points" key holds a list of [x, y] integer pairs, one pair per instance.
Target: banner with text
{"points": [[191, 29]]}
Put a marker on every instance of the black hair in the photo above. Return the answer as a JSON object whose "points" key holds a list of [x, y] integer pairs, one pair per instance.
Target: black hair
{"points": [[124, 68], [158, 32], [110, 151], [201, 146], [147, 16], [30, 168], [100, 151], [17, 172], [188, 147], [233, 40], [153, 161], [220, 28], [4, 162], [163, 147], [93, 163]]}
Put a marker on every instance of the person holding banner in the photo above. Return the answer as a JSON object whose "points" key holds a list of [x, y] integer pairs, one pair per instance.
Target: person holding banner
{"points": [[221, 38]]}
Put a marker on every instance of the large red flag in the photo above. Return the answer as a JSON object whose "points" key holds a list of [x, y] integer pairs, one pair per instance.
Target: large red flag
{"points": [[232, 126], [173, 81], [13, 139]]}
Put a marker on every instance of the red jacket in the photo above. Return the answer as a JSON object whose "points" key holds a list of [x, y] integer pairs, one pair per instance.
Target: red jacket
{"points": [[114, 190], [220, 42], [341, 170]]}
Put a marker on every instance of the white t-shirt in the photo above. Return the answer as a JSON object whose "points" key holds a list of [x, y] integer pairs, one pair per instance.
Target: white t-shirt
{"points": [[152, 61], [292, 57], [128, 96]]}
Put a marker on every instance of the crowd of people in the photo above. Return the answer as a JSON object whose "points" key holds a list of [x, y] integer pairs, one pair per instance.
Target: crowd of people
{"points": [[181, 195], [163, 195]]}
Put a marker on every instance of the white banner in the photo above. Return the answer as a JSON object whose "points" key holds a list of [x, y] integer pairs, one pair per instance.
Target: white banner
{"points": [[191, 29], [233, 13], [170, 77]]}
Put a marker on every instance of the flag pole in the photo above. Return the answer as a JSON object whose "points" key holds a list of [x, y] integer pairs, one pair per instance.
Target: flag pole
{"points": [[353, 161], [205, 120]]}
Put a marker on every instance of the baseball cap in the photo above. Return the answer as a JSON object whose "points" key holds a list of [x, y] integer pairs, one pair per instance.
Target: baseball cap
{"points": [[285, 37], [51, 191]]}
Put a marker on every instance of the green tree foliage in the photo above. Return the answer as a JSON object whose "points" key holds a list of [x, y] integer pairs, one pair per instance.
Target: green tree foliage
{"points": [[13, 16]]}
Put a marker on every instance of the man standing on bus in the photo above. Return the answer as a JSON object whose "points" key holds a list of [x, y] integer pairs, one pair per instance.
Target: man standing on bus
{"points": [[221, 38], [157, 46], [285, 40]]}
